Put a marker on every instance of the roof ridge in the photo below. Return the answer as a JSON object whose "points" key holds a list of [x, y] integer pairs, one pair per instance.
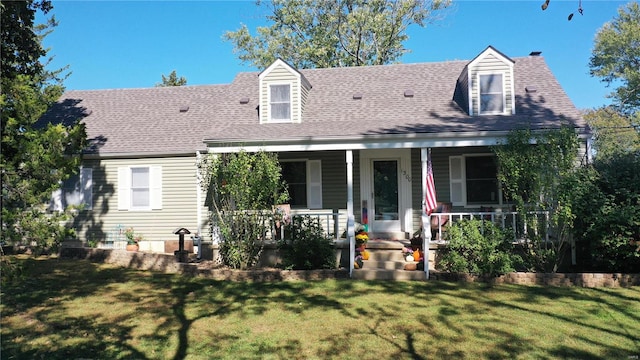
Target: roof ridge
{"points": [[149, 88]]}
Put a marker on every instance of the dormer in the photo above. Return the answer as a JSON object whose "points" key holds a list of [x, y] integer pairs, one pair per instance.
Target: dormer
{"points": [[283, 93], [486, 85]]}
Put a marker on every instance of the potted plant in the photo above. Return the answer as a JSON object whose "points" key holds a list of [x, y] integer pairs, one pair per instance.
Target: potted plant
{"points": [[133, 239], [361, 244], [361, 239]]}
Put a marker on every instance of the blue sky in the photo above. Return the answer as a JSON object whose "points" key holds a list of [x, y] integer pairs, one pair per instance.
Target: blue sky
{"points": [[130, 44]]}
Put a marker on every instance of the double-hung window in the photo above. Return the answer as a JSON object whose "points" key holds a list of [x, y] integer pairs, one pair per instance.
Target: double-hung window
{"points": [[140, 188], [492, 97], [304, 182], [474, 180], [75, 191], [280, 102]]}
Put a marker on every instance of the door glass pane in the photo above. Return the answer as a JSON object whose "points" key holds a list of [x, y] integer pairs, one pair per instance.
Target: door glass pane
{"points": [[385, 189]]}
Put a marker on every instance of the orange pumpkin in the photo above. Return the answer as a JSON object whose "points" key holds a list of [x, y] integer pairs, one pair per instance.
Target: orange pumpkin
{"points": [[416, 255]]}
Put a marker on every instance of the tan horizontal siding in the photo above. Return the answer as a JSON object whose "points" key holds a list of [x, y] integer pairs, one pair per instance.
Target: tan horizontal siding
{"points": [[440, 163], [304, 95], [280, 74], [334, 175], [491, 64], [179, 202]]}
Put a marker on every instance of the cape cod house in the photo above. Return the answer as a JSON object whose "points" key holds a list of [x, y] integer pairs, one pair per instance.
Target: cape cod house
{"points": [[353, 142]]}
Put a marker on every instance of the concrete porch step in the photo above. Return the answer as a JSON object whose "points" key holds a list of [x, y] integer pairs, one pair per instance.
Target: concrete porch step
{"points": [[385, 265], [387, 274], [386, 262]]}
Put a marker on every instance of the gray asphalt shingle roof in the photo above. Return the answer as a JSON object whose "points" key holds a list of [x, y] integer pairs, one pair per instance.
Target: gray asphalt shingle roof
{"points": [[149, 120]]}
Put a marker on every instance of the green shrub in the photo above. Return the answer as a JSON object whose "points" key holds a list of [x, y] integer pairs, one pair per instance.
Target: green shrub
{"points": [[608, 215], [306, 246], [243, 234], [10, 270], [479, 247]]}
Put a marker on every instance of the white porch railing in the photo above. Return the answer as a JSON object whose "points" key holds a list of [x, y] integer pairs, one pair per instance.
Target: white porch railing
{"points": [[334, 223], [331, 222], [513, 220]]}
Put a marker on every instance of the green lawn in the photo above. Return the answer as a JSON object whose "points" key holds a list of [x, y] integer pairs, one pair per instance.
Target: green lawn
{"points": [[70, 309]]}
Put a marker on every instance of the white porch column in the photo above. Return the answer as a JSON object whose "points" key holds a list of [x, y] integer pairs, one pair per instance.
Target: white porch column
{"points": [[351, 234], [199, 179], [199, 176], [426, 221]]}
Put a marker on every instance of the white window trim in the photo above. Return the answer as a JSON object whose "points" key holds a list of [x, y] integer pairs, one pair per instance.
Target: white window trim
{"points": [[504, 92], [313, 185], [463, 182], [276, 121], [124, 188], [86, 183]]}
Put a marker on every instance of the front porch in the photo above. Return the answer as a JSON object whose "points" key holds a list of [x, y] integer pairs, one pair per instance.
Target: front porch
{"points": [[386, 261]]}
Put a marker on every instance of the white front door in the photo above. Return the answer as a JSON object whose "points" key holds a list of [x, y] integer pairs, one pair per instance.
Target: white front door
{"points": [[386, 189]]}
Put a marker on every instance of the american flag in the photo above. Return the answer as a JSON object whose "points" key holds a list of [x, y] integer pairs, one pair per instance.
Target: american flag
{"points": [[430, 199]]}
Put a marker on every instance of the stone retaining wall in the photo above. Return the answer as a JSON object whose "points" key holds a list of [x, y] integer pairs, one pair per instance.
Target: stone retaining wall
{"points": [[167, 263], [131, 259], [548, 279]]}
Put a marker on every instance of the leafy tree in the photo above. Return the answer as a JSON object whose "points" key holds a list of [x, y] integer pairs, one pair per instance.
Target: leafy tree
{"points": [[21, 47], [616, 57], [614, 133], [320, 33], [243, 188], [36, 157], [540, 178], [172, 80], [607, 208]]}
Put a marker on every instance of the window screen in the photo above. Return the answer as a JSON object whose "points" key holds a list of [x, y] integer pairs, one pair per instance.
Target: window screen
{"points": [[491, 96], [280, 102]]}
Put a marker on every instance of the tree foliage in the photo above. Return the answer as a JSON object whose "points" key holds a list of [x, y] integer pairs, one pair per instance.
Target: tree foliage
{"points": [[172, 80], [614, 133], [36, 157], [616, 57], [540, 178], [607, 208], [479, 247], [320, 33], [243, 189], [21, 48]]}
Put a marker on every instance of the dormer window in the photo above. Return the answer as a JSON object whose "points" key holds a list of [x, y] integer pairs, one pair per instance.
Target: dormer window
{"points": [[492, 97], [280, 102], [283, 94], [485, 86]]}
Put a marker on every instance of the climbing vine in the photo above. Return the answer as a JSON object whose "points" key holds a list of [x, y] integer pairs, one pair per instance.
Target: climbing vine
{"points": [[537, 173]]}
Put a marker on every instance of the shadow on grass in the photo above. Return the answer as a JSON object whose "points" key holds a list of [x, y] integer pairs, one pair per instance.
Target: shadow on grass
{"points": [[46, 316], [36, 324]]}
